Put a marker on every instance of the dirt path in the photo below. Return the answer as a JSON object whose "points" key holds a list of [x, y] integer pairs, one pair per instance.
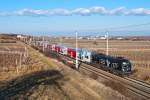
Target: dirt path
{"points": [[49, 79]]}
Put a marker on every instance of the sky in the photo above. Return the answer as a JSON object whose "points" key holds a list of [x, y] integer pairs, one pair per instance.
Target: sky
{"points": [[67, 16]]}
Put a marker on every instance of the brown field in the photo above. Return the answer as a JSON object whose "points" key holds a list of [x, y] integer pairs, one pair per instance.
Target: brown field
{"points": [[11, 54], [138, 52], [45, 78]]}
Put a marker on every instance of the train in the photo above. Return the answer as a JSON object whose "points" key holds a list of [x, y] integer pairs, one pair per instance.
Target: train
{"points": [[116, 65]]}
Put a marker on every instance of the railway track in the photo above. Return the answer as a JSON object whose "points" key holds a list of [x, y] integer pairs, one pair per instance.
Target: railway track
{"points": [[139, 89]]}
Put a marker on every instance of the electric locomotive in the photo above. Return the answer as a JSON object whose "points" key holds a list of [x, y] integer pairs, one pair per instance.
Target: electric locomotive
{"points": [[117, 65]]}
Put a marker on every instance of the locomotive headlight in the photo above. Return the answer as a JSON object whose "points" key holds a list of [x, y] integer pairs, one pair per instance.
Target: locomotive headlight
{"points": [[124, 63]]}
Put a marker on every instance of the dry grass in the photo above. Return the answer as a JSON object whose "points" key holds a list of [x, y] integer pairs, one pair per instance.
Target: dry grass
{"points": [[116, 86], [43, 78]]}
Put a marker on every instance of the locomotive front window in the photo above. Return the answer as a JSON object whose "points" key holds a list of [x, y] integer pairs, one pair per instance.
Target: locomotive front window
{"points": [[126, 66]]}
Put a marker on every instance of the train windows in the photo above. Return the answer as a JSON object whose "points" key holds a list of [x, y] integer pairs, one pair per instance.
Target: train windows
{"points": [[125, 65]]}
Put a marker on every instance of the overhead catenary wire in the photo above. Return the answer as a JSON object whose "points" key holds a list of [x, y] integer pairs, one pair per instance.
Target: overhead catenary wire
{"points": [[128, 26], [120, 27]]}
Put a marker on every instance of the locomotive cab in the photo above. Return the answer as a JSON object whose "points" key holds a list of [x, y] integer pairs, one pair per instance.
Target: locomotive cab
{"points": [[126, 67]]}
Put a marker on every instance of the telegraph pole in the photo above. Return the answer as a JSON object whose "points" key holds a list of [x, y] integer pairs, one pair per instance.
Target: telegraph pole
{"points": [[43, 43], [107, 47], [77, 67]]}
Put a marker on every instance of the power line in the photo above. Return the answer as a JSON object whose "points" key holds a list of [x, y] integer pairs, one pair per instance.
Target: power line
{"points": [[118, 27], [126, 26]]}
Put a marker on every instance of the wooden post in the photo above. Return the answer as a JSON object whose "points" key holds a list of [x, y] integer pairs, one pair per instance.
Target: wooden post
{"points": [[26, 52], [20, 59], [17, 65]]}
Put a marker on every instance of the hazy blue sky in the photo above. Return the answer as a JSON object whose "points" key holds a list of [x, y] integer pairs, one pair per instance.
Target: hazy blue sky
{"points": [[70, 15]]}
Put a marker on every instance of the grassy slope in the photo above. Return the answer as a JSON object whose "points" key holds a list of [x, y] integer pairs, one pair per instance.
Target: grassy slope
{"points": [[46, 78]]}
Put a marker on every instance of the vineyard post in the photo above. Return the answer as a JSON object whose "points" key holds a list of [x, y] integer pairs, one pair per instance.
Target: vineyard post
{"points": [[20, 59], [17, 65], [3, 62], [26, 51], [26, 39]]}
